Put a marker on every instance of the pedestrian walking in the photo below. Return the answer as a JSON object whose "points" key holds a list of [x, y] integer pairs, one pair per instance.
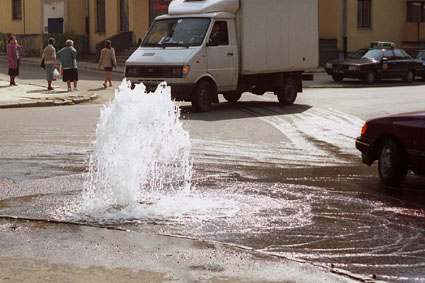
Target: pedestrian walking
{"points": [[68, 58], [49, 57], [108, 61], [14, 52]]}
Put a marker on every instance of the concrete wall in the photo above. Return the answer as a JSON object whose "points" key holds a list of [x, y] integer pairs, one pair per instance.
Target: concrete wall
{"points": [[387, 23], [138, 20], [30, 17], [331, 20], [77, 16]]}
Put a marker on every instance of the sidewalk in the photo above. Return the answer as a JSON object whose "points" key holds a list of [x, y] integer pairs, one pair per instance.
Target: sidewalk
{"points": [[82, 63], [31, 95]]}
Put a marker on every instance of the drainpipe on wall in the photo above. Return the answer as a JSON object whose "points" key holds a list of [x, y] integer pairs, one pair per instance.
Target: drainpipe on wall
{"points": [[345, 29], [23, 10], [87, 17]]}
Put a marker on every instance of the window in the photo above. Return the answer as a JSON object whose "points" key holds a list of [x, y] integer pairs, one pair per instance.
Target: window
{"points": [[16, 9], [399, 55], [416, 11], [100, 11], [219, 34], [388, 54], [363, 13]]}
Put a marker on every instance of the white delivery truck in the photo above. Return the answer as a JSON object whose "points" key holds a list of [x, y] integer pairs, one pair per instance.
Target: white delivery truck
{"points": [[205, 47]]}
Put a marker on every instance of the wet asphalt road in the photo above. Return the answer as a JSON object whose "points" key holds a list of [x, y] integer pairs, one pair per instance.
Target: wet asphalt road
{"points": [[292, 172]]}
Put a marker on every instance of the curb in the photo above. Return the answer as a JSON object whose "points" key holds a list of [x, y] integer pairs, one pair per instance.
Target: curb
{"points": [[36, 61], [53, 102]]}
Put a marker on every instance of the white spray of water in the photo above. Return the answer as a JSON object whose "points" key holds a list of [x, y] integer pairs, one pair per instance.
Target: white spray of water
{"points": [[141, 153]]}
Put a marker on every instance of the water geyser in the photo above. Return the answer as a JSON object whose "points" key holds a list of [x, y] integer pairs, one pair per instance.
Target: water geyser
{"points": [[141, 152]]}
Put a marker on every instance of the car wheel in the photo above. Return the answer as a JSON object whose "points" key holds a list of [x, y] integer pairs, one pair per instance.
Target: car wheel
{"points": [[232, 96], [337, 78], [392, 163], [202, 96], [370, 78], [410, 76], [288, 93]]}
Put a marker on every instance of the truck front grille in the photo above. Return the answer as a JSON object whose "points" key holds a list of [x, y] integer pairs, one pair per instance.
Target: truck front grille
{"points": [[154, 71]]}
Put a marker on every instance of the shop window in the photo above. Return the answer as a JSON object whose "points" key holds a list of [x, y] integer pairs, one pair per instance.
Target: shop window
{"points": [[415, 11], [100, 16], [16, 9], [364, 13]]}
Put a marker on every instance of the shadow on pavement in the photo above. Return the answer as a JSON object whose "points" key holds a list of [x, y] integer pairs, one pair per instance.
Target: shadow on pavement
{"points": [[242, 109], [97, 89]]}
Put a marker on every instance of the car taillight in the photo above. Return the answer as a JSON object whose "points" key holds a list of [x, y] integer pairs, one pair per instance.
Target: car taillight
{"points": [[364, 129]]}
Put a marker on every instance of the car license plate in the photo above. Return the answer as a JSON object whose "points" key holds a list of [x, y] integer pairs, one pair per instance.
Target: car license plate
{"points": [[338, 71]]}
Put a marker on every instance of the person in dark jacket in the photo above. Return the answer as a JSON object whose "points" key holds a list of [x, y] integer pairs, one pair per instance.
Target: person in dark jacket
{"points": [[14, 52]]}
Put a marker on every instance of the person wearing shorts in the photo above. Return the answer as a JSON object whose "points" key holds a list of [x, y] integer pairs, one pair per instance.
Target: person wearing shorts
{"points": [[108, 61]]}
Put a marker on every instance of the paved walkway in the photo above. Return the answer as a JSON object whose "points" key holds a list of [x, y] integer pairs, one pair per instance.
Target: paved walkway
{"points": [[33, 94], [30, 95]]}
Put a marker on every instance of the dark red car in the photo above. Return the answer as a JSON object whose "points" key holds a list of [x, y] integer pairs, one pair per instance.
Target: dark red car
{"points": [[397, 142]]}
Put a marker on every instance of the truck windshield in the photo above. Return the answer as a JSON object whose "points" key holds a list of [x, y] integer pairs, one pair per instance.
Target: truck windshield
{"points": [[177, 32]]}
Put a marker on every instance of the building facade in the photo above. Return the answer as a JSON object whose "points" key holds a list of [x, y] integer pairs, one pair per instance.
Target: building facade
{"points": [[31, 20], [344, 25]]}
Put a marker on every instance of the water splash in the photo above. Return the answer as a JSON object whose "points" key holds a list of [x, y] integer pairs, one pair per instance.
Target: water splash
{"points": [[141, 151]]}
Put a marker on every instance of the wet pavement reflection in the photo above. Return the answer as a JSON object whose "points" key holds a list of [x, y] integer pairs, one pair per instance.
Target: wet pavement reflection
{"points": [[339, 216]]}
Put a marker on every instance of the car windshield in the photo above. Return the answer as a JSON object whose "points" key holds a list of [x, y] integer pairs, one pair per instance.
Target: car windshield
{"points": [[421, 55], [359, 53], [373, 54], [177, 32]]}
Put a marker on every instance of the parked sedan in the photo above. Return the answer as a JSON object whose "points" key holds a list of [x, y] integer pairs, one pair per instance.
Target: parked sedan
{"points": [[382, 60], [397, 142]]}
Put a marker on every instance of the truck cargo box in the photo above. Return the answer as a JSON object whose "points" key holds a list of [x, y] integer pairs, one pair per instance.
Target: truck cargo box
{"points": [[278, 35]]}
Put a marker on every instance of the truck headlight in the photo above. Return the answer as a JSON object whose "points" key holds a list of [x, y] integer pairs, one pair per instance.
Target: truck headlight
{"points": [[185, 70], [354, 68], [329, 65], [132, 71]]}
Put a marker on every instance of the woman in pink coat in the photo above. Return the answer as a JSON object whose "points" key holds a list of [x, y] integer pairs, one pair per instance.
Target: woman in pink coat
{"points": [[13, 59]]}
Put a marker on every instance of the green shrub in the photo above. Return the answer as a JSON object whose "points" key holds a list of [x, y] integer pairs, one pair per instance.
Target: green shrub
{"points": [[4, 40], [81, 42]]}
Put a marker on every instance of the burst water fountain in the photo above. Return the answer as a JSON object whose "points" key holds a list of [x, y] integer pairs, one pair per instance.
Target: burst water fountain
{"points": [[141, 153], [141, 169]]}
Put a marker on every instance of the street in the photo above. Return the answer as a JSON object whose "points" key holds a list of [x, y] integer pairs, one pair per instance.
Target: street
{"points": [[287, 180]]}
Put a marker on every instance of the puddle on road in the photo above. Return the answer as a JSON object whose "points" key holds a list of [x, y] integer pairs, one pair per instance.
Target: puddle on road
{"points": [[342, 219]]}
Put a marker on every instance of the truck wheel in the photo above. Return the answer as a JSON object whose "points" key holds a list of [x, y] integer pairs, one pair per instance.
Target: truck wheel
{"points": [[410, 76], [202, 96], [232, 96], [337, 78], [288, 93], [392, 163], [370, 78]]}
